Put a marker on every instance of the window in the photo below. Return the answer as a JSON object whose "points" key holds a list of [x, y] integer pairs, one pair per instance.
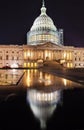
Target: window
{"points": [[0, 57], [6, 57], [75, 58], [12, 57], [17, 58]]}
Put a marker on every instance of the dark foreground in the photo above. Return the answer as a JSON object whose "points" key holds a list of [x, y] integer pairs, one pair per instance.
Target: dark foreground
{"points": [[15, 113]]}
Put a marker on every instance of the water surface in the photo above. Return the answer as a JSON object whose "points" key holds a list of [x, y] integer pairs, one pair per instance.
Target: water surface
{"points": [[41, 101]]}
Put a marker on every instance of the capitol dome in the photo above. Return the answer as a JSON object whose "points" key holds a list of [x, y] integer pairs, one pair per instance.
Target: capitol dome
{"points": [[43, 30]]}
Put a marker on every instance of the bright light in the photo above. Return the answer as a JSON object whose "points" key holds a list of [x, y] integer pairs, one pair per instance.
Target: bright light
{"points": [[28, 54], [64, 55], [65, 82], [46, 53], [15, 65]]}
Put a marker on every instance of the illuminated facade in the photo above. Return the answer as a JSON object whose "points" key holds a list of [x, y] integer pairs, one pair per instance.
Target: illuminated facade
{"points": [[44, 43]]}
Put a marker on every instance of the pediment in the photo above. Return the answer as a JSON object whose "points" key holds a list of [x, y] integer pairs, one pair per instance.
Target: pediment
{"points": [[48, 45]]}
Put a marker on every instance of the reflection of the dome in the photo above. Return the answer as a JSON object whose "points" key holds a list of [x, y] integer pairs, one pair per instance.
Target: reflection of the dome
{"points": [[43, 104]]}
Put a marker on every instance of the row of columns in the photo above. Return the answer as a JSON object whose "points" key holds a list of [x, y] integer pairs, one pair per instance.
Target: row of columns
{"points": [[42, 54]]}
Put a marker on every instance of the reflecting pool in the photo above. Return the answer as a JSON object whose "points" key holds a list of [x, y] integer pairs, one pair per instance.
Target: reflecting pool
{"points": [[37, 100], [10, 77], [36, 78]]}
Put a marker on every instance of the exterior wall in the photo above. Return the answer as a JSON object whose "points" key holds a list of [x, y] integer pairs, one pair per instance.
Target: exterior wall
{"points": [[11, 55], [62, 55], [67, 58], [78, 58], [29, 56]]}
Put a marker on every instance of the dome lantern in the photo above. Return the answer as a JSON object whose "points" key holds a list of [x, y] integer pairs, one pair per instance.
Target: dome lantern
{"points": [[43, 9]]}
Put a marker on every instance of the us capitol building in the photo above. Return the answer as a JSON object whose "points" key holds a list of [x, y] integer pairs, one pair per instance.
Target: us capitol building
{"points": [[44, 43]]}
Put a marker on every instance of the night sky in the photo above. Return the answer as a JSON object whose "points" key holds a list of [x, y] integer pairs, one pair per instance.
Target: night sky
{"points": [[17, 16]]}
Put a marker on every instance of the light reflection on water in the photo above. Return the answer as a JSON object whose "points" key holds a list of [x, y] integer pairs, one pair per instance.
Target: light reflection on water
{"points": [[10, 77], [35, 78], [44, 93], [43, 104]]}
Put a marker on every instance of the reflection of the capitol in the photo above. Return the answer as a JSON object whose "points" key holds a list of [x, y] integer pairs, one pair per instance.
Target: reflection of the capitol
{"points": [[36, 78], [43, 104]]}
